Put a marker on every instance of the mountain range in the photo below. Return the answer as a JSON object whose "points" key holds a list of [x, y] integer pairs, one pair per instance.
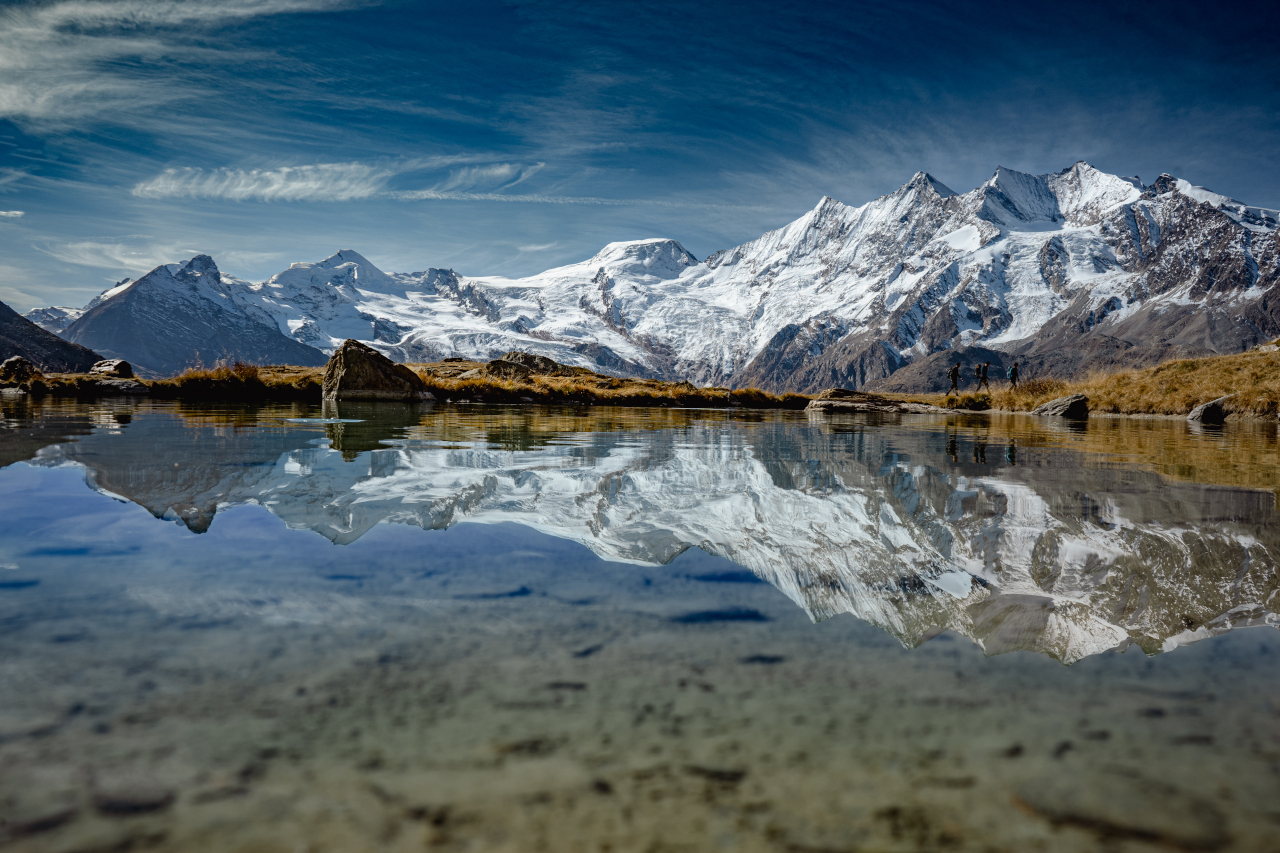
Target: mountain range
{"points": [[1067, 272]]}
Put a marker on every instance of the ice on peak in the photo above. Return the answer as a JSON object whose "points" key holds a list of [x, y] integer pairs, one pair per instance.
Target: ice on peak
{"points": [[1011, 197], [654, 254], [347, 256], [1254, 218], [924, 179]]}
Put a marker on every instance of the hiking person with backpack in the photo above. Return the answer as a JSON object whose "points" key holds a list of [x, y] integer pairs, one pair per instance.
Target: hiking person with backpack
{"points": [[954, 375], [983, 377], [1013, 376]]}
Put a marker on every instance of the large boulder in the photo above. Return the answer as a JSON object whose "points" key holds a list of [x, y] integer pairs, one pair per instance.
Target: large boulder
{"points": [[16, 370], [1212, 412], [359, 372], [1073, 406], [115, 368]]}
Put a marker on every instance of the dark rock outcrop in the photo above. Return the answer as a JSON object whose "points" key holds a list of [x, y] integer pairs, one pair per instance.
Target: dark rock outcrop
{"points": [[20, 336], [359, 372], [16, 370], [538, 364], [1213, 412], [1073, 407], [116, 368]]}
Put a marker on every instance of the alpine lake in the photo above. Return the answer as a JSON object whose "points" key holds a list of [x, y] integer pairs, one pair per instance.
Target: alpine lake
{"points": [[385, 627]]}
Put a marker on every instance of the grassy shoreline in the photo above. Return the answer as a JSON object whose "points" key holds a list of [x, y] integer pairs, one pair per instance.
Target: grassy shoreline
{"points": [[1171, 389]]}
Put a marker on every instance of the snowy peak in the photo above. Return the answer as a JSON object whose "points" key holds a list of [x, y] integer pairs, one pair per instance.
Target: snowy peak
{"points": [[656, 257], [923, 180], [200, 265], [1258, 218], [1085, 195], [348, 257], [344, 268], [1011, 198]]}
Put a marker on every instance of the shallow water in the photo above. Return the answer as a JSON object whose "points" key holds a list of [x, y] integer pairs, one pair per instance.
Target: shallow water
{"points": [[481, 628]]}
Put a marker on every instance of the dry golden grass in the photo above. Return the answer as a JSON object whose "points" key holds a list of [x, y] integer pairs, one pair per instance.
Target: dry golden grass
{"points": [[1172, 388], [241, 381], [584, 387]]}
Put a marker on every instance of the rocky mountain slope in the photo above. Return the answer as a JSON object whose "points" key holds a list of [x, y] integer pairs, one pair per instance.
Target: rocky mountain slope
{"points": [[52, 354], [1068, 272], [183, 315]]}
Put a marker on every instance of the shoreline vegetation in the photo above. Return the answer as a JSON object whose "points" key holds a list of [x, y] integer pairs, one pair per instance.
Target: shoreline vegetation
{"points": [[1173, 388]]}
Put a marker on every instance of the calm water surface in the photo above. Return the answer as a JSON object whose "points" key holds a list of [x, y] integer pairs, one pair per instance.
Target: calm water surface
{"points": [[388, 627]]}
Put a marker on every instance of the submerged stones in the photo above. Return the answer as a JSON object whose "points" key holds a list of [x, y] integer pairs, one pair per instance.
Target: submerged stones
{"points": [[121, 386], [1213, 412], [1119, 806], [359, 372], [113, 368], [1072, 407]]}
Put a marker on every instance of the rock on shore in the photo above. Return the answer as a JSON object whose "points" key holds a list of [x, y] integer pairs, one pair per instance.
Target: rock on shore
{"points": [[1212, 412], [1073, 406], [359, 372]]}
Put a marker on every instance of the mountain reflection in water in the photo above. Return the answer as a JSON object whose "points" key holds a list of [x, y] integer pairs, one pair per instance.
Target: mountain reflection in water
{"points": [[1012, 532]]}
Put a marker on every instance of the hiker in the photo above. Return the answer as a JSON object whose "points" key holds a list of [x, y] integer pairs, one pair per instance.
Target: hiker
{"points": [[983, 379], [1013, 376], [954, 375]]}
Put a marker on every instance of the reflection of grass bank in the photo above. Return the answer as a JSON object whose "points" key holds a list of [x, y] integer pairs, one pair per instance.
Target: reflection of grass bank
{"points": [[1172, 388], [1244, 456]]}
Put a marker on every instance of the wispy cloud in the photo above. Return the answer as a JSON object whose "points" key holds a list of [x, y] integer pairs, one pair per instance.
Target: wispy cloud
{"points": [[537, 198], [542, 247], [327, 182], [321, 182], [67, 60], [131, 256], [12, 214], [491, 176]]}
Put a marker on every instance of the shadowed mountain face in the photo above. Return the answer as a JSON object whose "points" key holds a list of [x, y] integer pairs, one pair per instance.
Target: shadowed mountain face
{"points": [[20, 336], [180, 316], [1067, 272], [917, 526]]}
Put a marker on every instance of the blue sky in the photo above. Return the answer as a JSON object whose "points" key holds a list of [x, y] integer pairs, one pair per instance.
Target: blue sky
{"points": [[510, 137]]}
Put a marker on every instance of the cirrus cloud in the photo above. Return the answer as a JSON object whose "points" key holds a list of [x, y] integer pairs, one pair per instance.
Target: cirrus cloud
{"points": [[71, 59], [12, 214], [321, 182]]}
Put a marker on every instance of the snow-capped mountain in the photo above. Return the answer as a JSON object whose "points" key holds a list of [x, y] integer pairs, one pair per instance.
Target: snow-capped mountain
{"points": [[1067, 271], [184, 315], [893, 527]]}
